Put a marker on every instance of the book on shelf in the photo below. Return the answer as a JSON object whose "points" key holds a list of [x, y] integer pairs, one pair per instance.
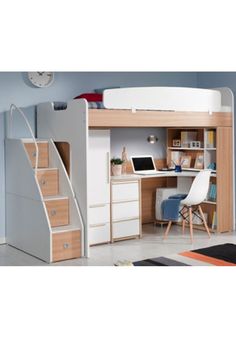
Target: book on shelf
{"points": [[212, 192], [210, 139], [214, 221]]}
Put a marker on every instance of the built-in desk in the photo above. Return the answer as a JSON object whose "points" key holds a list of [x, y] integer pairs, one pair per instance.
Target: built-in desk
{"points": [[149, 183]]}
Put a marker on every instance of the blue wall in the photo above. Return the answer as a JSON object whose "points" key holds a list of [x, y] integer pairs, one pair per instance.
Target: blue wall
{"points": [[14, 88]]}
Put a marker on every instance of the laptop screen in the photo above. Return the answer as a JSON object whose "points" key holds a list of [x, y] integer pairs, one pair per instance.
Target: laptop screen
{"points": [[143, 163]]}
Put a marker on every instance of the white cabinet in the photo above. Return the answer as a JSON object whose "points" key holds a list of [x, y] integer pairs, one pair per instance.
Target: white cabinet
{"points": [[99, 186], [125, 208]]}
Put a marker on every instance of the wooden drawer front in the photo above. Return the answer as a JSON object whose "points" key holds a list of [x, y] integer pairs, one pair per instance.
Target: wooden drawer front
{"points": [[125, 210], [99, 233], [126, 228], [66, 245], [48, 181], [43, 154], [125, 191], [99, 214], [58, 211]]}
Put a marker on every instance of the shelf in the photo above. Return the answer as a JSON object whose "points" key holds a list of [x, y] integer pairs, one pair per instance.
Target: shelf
{"points": [[182, 148], [209, 202]]}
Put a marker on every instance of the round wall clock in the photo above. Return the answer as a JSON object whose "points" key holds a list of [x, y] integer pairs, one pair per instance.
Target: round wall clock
{"points": [[41, 78]]}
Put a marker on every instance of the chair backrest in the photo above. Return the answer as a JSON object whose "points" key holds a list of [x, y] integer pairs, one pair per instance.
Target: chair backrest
{"points": [[199, 189]]}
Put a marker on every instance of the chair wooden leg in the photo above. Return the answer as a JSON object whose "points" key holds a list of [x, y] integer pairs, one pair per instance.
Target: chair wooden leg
{"points": [[191, 224], [183, 222], [204, 221], [167, 230]]}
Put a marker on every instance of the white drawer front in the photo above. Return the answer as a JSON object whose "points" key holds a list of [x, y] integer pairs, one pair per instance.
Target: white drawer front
{"points": [[125, 191], [99, 214], [125, 210], [125, 228], [99, 234]]}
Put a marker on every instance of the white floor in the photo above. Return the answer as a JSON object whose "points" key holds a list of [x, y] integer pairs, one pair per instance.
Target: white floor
{"points": [[150, 246]]}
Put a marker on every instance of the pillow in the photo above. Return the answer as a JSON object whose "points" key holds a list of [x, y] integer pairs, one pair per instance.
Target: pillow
{"points": [[90, 97]]}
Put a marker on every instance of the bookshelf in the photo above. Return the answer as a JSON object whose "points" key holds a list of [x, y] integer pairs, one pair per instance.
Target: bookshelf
{"points": [[207, 150]]}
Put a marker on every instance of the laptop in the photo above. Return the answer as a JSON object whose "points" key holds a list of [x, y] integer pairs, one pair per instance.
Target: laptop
{"points": [[144, 165]]}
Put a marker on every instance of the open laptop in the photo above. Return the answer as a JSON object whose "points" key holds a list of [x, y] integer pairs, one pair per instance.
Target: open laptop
{"points": [[144, 165]]}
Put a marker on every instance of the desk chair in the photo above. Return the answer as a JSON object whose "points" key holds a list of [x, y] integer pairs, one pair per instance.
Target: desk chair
{"points": [[191, 204]]}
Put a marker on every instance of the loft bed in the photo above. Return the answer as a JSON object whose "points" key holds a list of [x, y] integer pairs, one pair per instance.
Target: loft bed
{"points": [[137, 107]]}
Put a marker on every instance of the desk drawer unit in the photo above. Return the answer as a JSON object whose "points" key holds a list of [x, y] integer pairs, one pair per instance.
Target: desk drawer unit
{"points": [[126, 228], [125, 209]]}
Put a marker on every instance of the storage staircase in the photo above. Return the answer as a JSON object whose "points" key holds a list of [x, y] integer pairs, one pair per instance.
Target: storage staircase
{"points": [[49, 201]]}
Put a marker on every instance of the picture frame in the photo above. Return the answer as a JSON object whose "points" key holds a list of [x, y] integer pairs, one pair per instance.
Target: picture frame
{"points": [[199, 161], [185, 161], [176, 143]]}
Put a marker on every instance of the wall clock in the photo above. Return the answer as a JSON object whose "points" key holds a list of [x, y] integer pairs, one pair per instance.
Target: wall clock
{"points": [[41, 78]]}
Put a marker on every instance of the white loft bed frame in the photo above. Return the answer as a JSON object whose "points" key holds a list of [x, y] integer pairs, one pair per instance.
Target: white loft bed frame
{"points": [[71, 124]]}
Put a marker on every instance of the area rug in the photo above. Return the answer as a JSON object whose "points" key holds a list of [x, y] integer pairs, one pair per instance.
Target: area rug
{"points": [[220, 255]]}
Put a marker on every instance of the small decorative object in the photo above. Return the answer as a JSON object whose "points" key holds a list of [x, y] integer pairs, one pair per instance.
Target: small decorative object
{"points": [[125, 160], [212, 166], [195, 144], [116, 166], [177, 143], [185, 161], [199, 162], [41, 78]]}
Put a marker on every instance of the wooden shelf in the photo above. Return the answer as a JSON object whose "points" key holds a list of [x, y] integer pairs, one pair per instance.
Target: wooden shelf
{"points": [[182, 148]]}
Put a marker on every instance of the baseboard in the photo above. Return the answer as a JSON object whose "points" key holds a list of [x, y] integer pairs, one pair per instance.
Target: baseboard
{"points": [[2, 240]]}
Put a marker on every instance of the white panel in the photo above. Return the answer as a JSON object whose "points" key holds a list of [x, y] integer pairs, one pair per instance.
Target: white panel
{"points": [[125, 210], [99, 234], [163, 98], [125, 191], [126, 228], [27, 224], [100, 214], [99, 167], [70, 125]]}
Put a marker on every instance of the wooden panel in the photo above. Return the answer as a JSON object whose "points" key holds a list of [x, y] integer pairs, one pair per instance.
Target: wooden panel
{"points": [[224, 179], [66, 245], [64, 151], [105, 118], [43, 153], [149, 186], [58, 211], [48, 181]]}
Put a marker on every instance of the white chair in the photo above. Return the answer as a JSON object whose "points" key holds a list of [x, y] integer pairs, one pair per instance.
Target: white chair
{"points": [[190, 205]]}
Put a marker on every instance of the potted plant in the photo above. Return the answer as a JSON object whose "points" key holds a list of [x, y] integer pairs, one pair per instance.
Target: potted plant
{"points": [[116, 166]]}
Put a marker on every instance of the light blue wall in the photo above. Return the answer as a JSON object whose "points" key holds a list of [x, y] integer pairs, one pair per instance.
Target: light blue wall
{"points": [[14, 88], [217, 79]]}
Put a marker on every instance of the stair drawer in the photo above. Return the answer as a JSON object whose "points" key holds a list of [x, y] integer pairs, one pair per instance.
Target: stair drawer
{"points": [[66, 245], [58, 211], [125, 228], [43, 153], [99, 233], [99, 214], [125, 191], [125, 210], [48, 181]]}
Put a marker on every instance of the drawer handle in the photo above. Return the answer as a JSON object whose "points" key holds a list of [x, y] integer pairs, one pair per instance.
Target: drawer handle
{"points": [[34, 154], [97, 206], [66, 245], [53, 212], [97, 225], [43, 182]]}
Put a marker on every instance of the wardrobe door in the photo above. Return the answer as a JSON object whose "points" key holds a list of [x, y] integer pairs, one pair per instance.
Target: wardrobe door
{"points": [[99, 186], [99, 167]]}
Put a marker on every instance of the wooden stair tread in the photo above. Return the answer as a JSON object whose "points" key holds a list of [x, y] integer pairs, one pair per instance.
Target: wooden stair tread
{"points": [[66, 228]]}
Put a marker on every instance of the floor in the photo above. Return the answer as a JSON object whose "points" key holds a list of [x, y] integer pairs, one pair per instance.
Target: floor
{"points": [[151, 245]]}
